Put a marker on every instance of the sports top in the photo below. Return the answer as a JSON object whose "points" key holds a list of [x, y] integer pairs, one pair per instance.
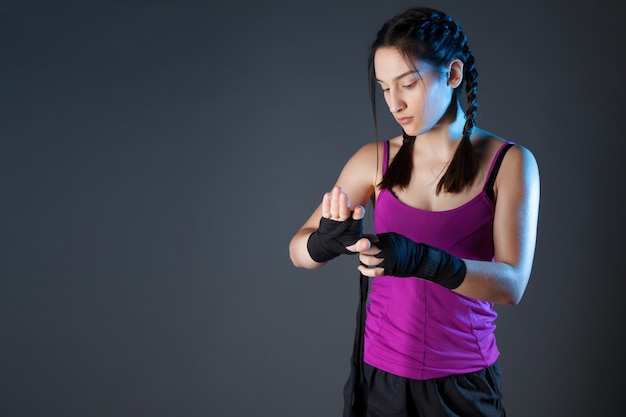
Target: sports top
{"points": [[419, 329]]}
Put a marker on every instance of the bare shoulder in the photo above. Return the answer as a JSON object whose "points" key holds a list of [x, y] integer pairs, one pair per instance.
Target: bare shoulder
{"points": [[371, 149], [361, 172], [519, 165], [519, 169], [488, 144], [365, 158]]}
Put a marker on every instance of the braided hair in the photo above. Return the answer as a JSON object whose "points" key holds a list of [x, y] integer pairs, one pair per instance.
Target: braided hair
{"points": [[432, 36]]}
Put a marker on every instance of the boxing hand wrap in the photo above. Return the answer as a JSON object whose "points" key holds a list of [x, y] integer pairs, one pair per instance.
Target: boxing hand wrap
{"points": [[332, 237], [403, 257]]}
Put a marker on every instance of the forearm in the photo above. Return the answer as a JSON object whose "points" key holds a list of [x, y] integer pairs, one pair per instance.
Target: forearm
{"points": [[496, 282], [329, 232], [499, 282]]}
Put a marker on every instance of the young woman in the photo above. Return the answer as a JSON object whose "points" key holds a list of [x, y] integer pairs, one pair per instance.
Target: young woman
{"points": [[455, 218]]}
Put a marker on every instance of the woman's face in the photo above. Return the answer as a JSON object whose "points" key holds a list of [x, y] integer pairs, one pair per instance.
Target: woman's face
{"points": [[417, 100]]}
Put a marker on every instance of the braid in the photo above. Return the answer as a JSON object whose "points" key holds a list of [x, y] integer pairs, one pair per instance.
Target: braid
{"points": [[463, 167], [399, 171], [471, 88], [433, 36]]}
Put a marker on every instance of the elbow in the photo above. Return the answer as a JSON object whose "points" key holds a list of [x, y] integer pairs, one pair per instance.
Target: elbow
{"points": [[511, 300], [507, 299], [305, 264], [292, 256], [298, 259], [513, 295], [512, 285], [294, 259]]}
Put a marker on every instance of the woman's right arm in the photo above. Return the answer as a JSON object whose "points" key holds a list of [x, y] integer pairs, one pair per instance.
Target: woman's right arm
{"points": [[354, 187]]}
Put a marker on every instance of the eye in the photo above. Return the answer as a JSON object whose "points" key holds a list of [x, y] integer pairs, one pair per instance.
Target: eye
{"points": [[409, 85]]}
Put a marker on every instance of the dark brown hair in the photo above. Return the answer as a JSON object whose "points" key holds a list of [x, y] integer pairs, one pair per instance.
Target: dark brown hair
{"points": [[434, 37]]}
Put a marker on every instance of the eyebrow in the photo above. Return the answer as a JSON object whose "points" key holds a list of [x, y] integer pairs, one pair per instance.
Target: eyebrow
{"points": [[401, 75]]}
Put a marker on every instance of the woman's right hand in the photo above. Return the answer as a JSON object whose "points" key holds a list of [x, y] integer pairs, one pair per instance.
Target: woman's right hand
{"points": [[355, 183], [336, 206], [339, 227]]}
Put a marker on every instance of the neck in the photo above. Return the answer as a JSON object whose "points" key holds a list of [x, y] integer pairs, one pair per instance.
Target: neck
{"points": [[443, 138], [452, 121]]}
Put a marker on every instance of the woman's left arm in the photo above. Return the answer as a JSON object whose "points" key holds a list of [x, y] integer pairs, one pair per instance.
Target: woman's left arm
{"points": [[514, 232], [502, 281]]}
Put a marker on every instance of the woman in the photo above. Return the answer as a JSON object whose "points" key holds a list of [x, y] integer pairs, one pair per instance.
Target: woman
{"points": [[455, 217]]}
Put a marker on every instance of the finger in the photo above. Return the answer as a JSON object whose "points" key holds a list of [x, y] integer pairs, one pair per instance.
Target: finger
{"points": [[372, 237], [344, 206], [326, 205], [371, 272], [359, 213], [363, 244], [360, 245], [369, 260], [371, 250], [334, 202]]}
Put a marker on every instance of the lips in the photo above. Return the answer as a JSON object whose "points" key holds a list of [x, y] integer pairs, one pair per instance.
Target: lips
{"points": [[404, 120]]}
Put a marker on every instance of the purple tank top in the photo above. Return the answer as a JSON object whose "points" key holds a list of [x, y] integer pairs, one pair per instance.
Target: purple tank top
{"points": [[421, 330]]}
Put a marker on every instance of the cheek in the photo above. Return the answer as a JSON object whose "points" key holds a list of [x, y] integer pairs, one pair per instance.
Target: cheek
{"points": [[438, 101], [417, 101]]}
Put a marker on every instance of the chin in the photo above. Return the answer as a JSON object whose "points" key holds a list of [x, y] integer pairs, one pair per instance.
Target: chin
{"points": [[412, 131]]}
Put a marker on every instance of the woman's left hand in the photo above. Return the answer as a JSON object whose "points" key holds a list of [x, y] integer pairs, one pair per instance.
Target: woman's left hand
{"points": [[367, 249]]}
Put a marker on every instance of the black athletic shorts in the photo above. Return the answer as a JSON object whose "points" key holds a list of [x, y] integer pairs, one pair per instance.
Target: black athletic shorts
{"points": [[381, 394]]}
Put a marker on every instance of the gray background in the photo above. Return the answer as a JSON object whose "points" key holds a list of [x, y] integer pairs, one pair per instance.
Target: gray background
{"points": [[157, 156]]}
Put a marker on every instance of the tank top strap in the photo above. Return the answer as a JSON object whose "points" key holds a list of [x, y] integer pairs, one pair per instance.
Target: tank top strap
{"points": [[385, 144], [495, 167]]}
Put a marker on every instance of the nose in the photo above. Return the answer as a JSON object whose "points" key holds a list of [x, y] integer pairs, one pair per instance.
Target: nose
{"points": [[395, 103]]}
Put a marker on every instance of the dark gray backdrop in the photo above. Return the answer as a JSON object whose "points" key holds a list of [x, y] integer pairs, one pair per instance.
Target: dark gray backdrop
{"points": [[157, 156]]}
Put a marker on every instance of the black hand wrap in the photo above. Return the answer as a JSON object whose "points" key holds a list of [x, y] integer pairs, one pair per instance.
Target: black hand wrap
{"points": [[332, 237], [406, 258]]}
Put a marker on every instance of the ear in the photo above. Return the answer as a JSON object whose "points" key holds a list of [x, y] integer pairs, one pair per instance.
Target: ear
{"points": [[455, 73]]}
